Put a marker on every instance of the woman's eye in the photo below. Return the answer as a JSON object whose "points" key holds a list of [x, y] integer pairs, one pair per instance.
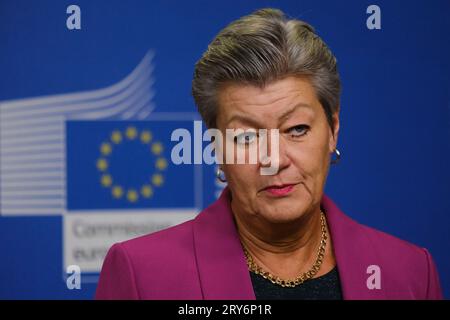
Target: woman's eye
{"points": [[245, 138], [299, 130]]}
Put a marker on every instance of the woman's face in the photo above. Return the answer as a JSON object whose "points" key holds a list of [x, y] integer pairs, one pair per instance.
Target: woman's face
{"points": [[305, 144]]}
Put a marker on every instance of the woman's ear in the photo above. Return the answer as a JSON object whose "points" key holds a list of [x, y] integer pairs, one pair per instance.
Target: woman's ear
{"points": [[334, 132]]}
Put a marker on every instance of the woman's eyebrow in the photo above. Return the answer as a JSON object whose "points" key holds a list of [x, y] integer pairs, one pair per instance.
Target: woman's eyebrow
{"points": [[243, 118], [285, 115]]}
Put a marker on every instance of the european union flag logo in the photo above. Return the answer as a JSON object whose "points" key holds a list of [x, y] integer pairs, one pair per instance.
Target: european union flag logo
{"points": [[126, 164]]}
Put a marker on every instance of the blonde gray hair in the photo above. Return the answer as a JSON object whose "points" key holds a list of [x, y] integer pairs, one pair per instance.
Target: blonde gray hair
{"points": [[262, 47]]}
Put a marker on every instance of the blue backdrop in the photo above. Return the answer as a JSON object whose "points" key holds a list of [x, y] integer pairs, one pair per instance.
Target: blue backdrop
{"points": [[395, 120]]}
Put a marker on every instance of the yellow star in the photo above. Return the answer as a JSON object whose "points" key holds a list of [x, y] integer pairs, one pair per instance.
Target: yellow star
{"points": [[146, 136], [131, 133], [157, 148], [106, 180], [116, 137], [102, 164], [146, 191], [161, 163], [157, 179], [117, 192], [132, 195], [105, 148]]}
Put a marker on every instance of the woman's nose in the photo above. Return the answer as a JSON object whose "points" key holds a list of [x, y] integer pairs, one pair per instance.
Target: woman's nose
{"points": [[275, 158]]}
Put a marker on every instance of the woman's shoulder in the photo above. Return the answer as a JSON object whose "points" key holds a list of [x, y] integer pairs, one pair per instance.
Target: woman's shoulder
{"points": [[170, 249], [393, 253], [170, 240], [406, 270], [364, 238], [389, 244], [152, 266]]}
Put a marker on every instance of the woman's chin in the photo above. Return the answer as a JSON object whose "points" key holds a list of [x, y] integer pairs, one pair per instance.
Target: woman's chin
{"points": [[283, 214]]}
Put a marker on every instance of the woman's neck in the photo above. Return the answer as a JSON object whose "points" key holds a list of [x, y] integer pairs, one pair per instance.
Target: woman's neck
{"points": [[283, 249]]}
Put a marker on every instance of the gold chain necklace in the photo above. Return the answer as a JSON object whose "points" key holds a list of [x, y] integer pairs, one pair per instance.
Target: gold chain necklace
{"points": [[253, 267]]}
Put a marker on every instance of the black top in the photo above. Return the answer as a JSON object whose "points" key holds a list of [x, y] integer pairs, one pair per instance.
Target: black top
{"points": [[325, 287]]}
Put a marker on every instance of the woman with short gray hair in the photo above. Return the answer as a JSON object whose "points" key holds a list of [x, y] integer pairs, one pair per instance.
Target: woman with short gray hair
{"points": [[274, 236]]}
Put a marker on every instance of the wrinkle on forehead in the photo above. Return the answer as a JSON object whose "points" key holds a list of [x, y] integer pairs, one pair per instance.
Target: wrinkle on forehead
{"points": [[270, 100]]}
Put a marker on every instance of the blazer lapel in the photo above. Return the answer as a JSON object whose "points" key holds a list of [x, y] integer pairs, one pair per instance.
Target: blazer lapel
{"points": [[221, 262], [352, 252]]}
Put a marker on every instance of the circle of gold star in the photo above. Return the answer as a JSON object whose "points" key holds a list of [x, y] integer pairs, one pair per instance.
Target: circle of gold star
{"points": [[156, 180]]}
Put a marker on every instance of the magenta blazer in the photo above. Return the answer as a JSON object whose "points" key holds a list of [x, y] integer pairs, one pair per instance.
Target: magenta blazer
{"points": [[203, 259]]}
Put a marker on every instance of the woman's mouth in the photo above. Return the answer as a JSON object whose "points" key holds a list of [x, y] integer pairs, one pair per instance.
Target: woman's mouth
{"points": [[280, 191]]}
